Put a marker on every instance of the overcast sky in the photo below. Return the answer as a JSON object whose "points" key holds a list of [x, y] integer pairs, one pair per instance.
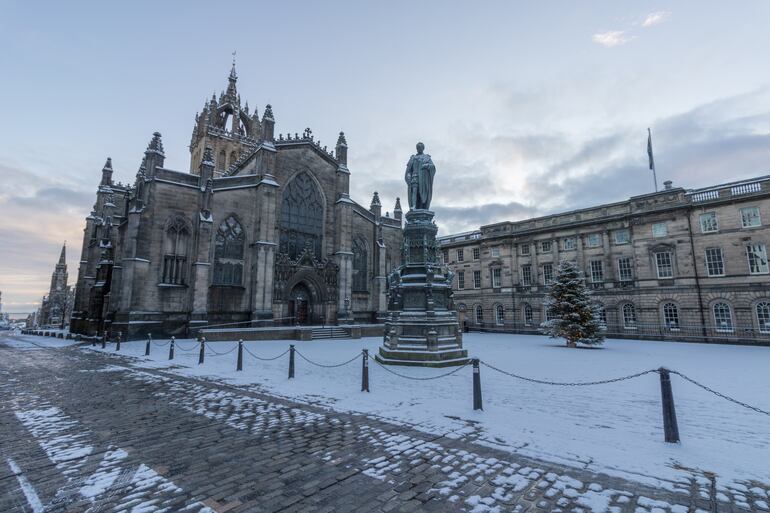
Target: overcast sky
{"points": [[528, 108]]}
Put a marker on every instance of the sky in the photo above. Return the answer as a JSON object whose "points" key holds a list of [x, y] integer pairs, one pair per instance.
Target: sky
{"points": [[528, 108]]}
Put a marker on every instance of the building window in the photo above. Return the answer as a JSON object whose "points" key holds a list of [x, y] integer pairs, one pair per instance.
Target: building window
{"points": [[525, 249], [228, 253], [461, 279], [757, 255], [629, 316], [723, 319], [601, 314], [460, 255], [763, 316], [175, 254], [594, 240], [625, 269], [714, 263], [445, 254], [476, 279], [569, 243], [528, 319], [526, 274], [479, 315], [545, 246], [664, 264], [499, 315], [708, 222], [548, 313], [494, 251], [750, 217], [622, 236], [671, 316], [597, 271], [476, 253], [659, 230], [547, 274], [302, 216], [496, 278], [360, 266]]}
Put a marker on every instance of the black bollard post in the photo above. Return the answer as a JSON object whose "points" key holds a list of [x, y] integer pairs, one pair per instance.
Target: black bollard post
{"points": [[147, 346], [171, 349], [291, 361], [365, 371], [203, 348], [670, 426], [117, 346], [104, 340], [240, 355], [477, 405]]}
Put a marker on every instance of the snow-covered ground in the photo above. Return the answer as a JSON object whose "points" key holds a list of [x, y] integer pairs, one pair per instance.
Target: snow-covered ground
{"points": [[16, 339], [614, 428]]}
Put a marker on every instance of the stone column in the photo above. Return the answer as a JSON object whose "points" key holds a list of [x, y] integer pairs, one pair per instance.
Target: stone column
{"points": [[344, 254], [264, 249]]}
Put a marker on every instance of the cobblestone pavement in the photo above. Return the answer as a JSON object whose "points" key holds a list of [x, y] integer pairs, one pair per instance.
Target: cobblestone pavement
{"points": [[83, 431]]}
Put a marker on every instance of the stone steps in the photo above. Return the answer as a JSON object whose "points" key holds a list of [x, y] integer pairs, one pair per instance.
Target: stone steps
{"points": [[328, 333]]}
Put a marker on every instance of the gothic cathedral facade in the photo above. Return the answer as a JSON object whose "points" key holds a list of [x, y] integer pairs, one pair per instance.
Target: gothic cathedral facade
{"points": [[261, 230]]}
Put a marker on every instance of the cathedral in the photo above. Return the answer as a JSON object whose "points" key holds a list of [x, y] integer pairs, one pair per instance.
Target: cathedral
{"points": [[260, 230], [56, 308]]}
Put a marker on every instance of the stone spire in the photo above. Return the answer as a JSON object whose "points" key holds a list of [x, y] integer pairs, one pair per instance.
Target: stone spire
{"points": [[154, 155], [107, 172], [268, 123], [397, 212], [342, 149], [206, 169], [63, 255], [376, 207]]}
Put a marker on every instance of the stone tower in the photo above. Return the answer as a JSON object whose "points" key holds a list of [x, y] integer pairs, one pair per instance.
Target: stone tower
{"points": [[55, 305], [225, 126]]}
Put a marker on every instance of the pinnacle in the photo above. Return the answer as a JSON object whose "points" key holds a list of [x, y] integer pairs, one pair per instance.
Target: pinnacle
{"points": [[341, 140], [108, 164]]}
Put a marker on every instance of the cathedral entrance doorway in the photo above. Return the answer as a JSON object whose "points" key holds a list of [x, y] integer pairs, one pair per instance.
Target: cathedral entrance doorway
{"points": [[299, 304]]}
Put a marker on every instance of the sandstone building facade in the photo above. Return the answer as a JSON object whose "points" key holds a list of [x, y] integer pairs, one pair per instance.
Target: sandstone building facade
{"points": [[679, 264], [261, 228]]}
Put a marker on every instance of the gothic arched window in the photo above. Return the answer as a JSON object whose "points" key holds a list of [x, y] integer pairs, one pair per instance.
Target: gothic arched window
{"points": [[302, 217], [175, 245], [360, 268], [228, 253], [221, 164]]}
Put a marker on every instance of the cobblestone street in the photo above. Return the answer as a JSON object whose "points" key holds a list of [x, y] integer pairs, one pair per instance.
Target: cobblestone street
{"points": [[82, 431]]}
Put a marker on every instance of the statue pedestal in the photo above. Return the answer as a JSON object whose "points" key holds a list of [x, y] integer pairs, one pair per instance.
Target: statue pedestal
{"points": [[422, 327]]}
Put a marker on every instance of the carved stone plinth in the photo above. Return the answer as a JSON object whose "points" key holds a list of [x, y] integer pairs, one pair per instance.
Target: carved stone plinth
{"points": [[422, 327]]}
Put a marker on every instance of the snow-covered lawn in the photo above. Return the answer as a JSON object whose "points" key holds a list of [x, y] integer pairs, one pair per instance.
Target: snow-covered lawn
{"points": [[32, 342], [614, 428]]}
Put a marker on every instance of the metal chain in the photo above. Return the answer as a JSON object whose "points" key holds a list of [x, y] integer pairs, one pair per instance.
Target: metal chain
{"points": [[221, 354], [326, 366], [565, 384], [415, 378], [719, 394], [264, 359], [161, 344], [177, 345]]}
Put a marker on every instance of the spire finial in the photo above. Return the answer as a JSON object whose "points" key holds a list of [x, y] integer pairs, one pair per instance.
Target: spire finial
{"points": [[233, 75]]}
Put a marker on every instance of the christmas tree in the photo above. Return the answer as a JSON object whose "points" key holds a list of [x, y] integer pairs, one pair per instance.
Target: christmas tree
{"points": [[572, 313]]}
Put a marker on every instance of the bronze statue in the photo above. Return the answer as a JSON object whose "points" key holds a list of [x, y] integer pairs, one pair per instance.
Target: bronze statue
{"points": [[420, 171]]}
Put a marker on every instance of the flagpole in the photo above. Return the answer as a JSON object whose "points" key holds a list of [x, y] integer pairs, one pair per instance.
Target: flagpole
{"points": [[652, 160]]}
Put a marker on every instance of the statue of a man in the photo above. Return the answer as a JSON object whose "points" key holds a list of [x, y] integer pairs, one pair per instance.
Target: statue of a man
{"points": [[419, 179]]}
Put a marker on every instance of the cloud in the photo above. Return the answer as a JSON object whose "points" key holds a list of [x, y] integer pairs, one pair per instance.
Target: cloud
{"points": [[655, 18], [612, 38]]}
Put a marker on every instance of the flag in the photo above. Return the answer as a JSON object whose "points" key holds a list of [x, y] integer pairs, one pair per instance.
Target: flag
{"points": [[649, 149]]}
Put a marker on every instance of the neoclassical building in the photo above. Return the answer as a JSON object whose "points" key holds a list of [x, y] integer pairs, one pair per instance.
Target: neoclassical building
{"points": [[260, 228], [680, 264]]}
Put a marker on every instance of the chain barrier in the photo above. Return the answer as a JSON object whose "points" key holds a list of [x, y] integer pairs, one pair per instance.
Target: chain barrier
{"points": [[719, 394], [181, 347], [327, 366], [161, 344], [265, 359], [215, 353], [415, 378], [568, 384]]}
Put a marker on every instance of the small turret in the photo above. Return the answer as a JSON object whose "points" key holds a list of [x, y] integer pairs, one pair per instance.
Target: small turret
{"points": [[376, 207], [154, 155], [107, 173], [206, 166], [342, 149], [397, 212], [268, 124]]}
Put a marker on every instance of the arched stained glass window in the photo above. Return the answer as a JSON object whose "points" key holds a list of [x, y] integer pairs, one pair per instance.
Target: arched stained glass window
{"points": [[302, 217], [360, 260], [175, 253], [228, 253]]}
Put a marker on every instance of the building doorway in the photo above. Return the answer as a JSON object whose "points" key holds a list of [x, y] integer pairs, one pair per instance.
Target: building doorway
{"points": [[299, 304]]}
